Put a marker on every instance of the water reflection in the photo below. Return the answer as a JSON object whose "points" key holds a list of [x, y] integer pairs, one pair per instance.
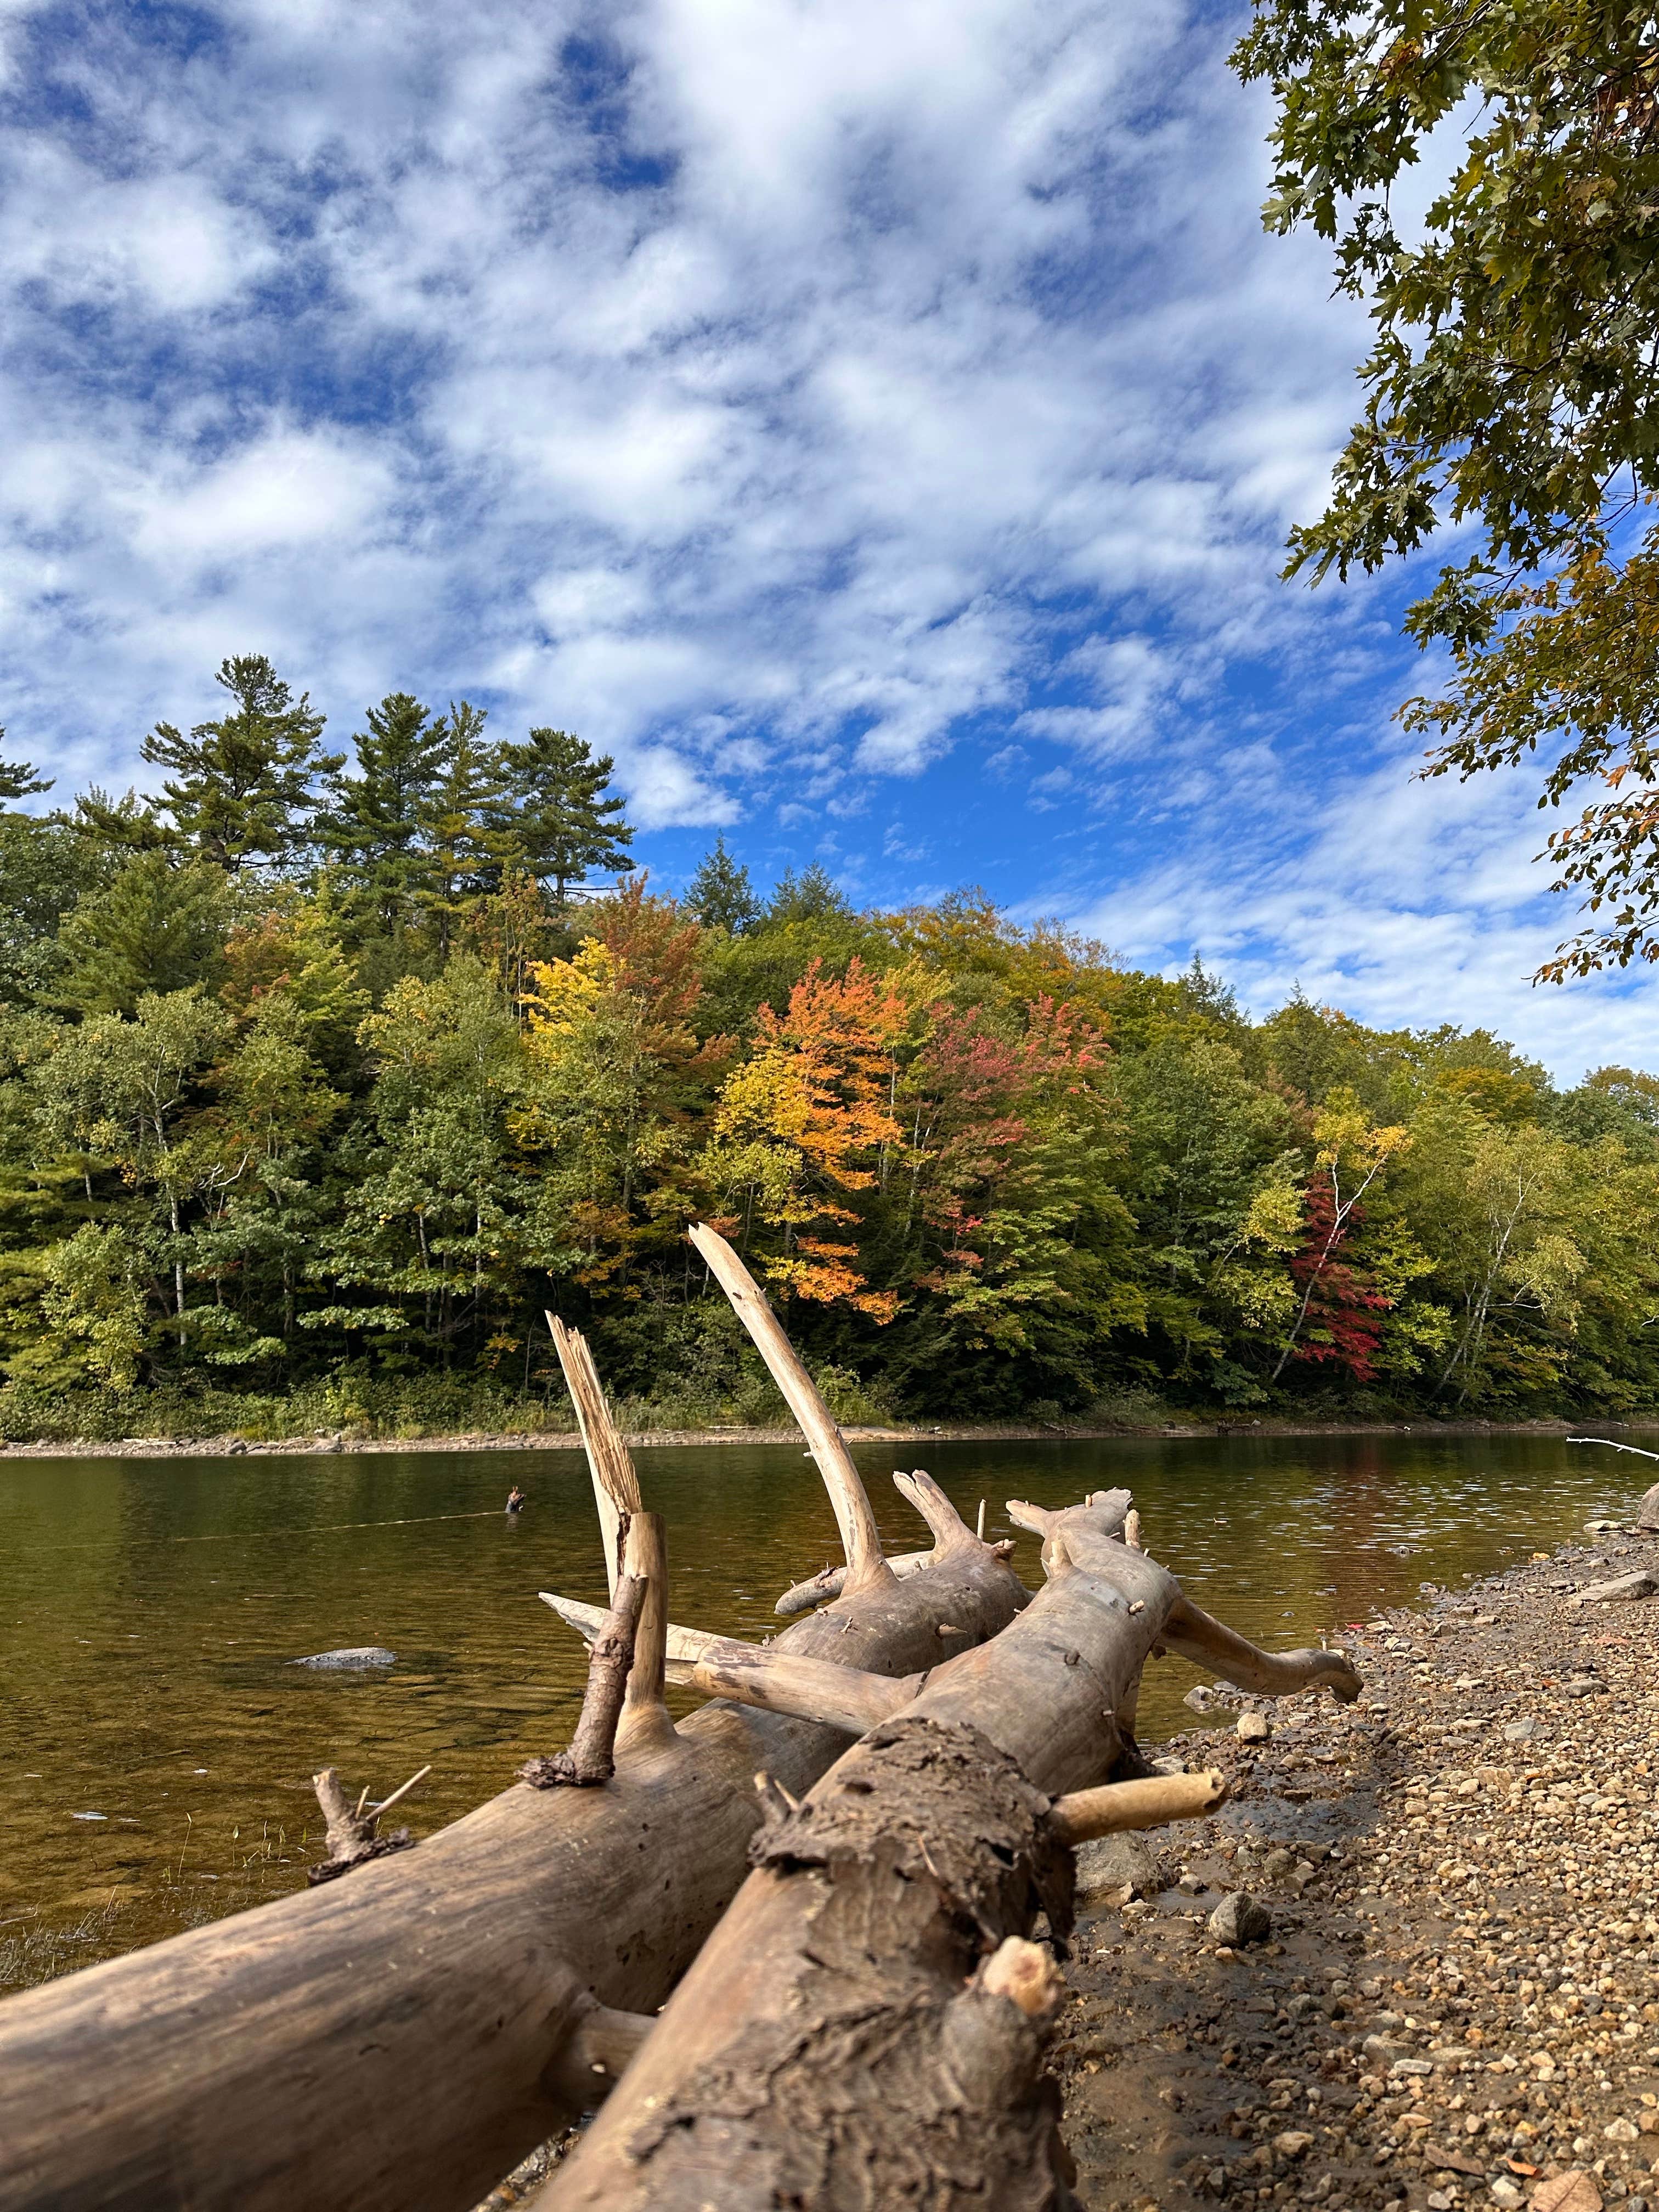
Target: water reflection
{"points": [[157, 1747]]}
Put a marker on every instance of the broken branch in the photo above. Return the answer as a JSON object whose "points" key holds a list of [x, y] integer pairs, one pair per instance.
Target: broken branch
{"points": [[590, 1759]]}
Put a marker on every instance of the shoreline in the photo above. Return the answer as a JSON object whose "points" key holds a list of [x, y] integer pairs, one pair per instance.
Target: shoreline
{"points": [[328, 1441], [1457, 2006]]}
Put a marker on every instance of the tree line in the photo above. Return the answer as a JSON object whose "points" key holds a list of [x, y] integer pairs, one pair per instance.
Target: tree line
{"points": [[322, 1075]]}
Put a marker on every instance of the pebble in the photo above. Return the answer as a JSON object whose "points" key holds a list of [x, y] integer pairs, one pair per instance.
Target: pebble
{"points": [[1455, 1997], [1254, 1728]]}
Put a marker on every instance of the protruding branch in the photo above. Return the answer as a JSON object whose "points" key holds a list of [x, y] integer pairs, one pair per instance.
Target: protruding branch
{"points": [[591, 1758], [615, 1486], [353, 1835], [829, 1582], [1115, 1806], [1191, 1631], [858, 1537], [950, 1531], [757, 1674], [1107, 1510]]}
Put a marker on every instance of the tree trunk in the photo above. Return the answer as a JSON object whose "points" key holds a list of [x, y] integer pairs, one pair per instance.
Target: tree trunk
{"points": [[857, 2032]]}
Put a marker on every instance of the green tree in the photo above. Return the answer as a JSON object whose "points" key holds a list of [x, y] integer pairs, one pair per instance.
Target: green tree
{"points": [[126, 1093], [559, 822], [156, 927], [20, 779], [720, 895], [375, 828], [466, 847], [242, 788], [1513, 381]]}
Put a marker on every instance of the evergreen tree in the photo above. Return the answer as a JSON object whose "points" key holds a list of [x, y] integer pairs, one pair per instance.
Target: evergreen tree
{"points": [[812, 896], [722, 895], [242, 787], [462, 822], [109, 827], [18, 779], [156, 927], [375, 826], [559, 820]]}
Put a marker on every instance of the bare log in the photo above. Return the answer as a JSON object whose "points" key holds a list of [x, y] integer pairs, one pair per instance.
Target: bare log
{"points": [[859, 1540], [1082, 1814], [829, 1582], [287, 2056], [824, 2034]]}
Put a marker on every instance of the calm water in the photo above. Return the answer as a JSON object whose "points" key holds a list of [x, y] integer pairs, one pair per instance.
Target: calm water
{"points": [[147, 1609]]}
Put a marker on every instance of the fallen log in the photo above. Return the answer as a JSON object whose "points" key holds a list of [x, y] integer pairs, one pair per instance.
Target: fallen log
{"points": [[401, 2038], [843, 2041]]}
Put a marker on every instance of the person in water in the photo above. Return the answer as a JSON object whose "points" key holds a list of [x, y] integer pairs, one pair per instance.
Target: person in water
{"points": [[516, 1500]]}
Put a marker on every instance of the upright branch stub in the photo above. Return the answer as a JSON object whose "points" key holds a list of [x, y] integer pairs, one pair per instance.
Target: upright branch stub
{"points": [[859, 1540], [353, 1833], [590, 1759], [615, 1486]]}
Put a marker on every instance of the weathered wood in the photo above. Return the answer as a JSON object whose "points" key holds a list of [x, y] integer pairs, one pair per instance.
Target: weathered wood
{"points": [[1082, 1814], [1194, 1634], [591, 1758], [351, 1833], [616, 1485], [858, 1537], [818, 2040], [396, 2042]]}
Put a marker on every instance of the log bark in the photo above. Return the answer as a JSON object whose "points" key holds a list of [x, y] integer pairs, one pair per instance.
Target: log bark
{"points": [[396, 2042], [836, 2044]]}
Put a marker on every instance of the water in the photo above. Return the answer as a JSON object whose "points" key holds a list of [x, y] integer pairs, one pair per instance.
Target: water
{"points": [[149, 1609]]}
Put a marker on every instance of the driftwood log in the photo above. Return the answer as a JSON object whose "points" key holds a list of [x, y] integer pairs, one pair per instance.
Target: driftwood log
{"points": [[857, 2032], [399, 2038]]}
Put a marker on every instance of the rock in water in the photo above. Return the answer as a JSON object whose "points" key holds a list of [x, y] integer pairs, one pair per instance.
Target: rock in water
{"points": [[353, 1654], [1120, 1862], [1240, 1919]]}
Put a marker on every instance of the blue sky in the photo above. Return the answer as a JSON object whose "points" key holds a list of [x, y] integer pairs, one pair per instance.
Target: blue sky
{"points": [[876, 422]]}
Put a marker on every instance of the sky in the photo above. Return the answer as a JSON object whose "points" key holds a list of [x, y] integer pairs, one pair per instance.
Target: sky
{"points": [[875, 423]]}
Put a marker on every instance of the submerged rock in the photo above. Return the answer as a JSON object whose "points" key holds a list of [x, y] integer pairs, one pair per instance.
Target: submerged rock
{"points": [[353, 1654]]}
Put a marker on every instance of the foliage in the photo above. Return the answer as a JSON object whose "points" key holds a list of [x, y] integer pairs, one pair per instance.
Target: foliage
{"points": [[1513, 379], [323, 1145]]}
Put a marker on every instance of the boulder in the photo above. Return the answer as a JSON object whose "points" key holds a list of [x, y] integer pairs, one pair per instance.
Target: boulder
{"points": [[353, 1654]]}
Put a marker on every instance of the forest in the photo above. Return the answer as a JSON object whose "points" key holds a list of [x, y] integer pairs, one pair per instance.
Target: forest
{"points": [[323, 1075]]}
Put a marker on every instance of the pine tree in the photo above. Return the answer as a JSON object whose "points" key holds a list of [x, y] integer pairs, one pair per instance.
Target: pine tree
{"points": [[155, 927], [375, 829], [720, 895], [812, 896], [18, 779], [241, 788], [559, 822], [461, 826]]}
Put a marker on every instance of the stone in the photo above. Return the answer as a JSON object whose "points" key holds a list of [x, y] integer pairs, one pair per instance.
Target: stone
{"points": [[1121, 1863], [1240, 1919], [1647, 1513], [1572, 2191], [353, 1655], [1254, 1728], [1191, 1885], [1622, 2131], [1295, 2143], [1627, 1590], [1521, 1731], [1277, 1864], [1507, 2193]]}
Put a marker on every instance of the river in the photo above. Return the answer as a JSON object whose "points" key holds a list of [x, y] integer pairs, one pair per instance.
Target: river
{"points": [[157, 1744]]}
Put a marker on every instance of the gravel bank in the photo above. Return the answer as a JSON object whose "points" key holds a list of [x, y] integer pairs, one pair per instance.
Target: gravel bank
{"points": [[1458, 2005]]}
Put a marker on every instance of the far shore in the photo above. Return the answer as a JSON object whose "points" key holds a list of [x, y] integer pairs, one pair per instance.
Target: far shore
{"points": [[919, 1433]]}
